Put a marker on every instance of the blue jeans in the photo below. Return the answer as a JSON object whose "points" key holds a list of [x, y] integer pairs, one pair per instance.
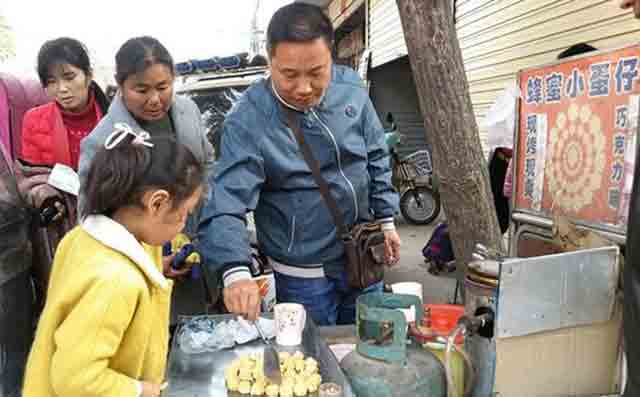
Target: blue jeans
{"points": [[328, 300]]}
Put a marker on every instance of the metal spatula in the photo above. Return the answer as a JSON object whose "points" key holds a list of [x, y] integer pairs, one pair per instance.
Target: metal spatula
{"points": [[271, 361]]}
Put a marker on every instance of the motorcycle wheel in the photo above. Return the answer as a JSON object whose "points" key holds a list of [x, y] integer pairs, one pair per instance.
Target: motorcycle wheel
{"points": [[423, 210]]}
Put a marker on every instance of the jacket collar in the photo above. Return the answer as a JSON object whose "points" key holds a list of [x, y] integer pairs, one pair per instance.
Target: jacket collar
{"points": [[115, 236], [120, 112], [182, 122], [90, 107], [281, 99]]}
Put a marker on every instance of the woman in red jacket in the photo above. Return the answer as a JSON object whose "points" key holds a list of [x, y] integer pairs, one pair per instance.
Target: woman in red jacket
{"points": [[51, 136], [51, 133]]}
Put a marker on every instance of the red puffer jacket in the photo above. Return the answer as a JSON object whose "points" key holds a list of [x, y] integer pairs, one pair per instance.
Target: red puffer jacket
{"points": [[50, 136]]}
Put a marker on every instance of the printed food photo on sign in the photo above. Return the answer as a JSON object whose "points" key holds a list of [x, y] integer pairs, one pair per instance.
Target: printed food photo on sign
{"points": [[576, 159], [576, 134]]}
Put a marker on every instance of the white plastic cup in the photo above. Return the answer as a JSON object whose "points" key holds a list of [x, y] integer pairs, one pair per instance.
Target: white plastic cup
{"points": [[290, 319], [408, 288]]}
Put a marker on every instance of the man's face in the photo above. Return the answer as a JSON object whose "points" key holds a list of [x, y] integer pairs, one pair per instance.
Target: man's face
{"points": [[301, 71], [631, 3]]}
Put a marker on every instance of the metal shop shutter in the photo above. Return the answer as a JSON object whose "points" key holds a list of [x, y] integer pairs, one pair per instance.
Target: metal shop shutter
{"points": [[500, 37], [386, 37]]}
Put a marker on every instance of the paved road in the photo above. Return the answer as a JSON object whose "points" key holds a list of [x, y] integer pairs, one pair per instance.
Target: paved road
{"points": [[435, 289]]}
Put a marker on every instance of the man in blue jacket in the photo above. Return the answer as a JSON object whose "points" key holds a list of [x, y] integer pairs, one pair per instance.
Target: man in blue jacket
{"points": [[261, 169], [631, 276]]}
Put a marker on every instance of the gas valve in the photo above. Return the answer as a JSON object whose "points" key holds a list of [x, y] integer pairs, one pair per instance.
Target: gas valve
{"points": [[481, 323]]}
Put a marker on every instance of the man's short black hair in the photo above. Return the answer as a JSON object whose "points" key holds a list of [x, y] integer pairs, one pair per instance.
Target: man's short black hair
{"points": [[576, 49], [298, 22]]}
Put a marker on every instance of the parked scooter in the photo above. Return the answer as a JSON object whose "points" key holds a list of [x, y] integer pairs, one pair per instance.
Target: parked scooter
{"points": [[413, 179]]}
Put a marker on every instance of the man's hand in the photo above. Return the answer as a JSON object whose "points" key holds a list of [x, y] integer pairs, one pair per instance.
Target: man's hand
{"points": [[170, 272], [243, 297], [392, 245], [624, 4]]}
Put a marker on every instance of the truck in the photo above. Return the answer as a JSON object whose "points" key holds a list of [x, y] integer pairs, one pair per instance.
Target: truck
{"points": [[215, 92]]}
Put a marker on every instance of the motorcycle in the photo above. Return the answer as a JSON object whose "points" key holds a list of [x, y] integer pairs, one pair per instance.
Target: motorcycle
{"points": [[413, 179]]}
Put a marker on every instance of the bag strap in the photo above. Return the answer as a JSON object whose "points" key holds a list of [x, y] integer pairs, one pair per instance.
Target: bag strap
{"points": [[313, 164]]}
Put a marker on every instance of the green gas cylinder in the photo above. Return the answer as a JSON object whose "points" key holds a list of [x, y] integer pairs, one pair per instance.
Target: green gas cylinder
{"points": [[385, 363], [392, 139]]}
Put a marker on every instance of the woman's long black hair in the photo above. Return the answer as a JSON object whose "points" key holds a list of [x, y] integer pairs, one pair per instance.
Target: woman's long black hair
{"points": [[73, 52]]}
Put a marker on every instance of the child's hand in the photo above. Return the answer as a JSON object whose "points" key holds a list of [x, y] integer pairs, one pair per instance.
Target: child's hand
{"points": [[170, 272], [150, 390]]}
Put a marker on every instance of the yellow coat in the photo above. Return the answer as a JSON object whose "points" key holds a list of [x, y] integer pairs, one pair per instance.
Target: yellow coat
{"points": [[106, 319]]}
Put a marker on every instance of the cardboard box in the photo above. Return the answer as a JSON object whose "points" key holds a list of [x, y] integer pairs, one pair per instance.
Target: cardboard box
{"points": [[577, 361], [572, 361]]}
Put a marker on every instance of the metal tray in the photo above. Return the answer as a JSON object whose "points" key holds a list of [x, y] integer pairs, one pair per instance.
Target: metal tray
{"points": [[202, 375]]}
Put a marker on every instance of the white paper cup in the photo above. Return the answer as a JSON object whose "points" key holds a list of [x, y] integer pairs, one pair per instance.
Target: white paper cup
{"points": [[290, 319], [408, 288]]}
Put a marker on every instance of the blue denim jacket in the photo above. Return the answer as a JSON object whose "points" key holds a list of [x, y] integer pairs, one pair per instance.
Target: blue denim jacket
{"points": [[261, 169]]}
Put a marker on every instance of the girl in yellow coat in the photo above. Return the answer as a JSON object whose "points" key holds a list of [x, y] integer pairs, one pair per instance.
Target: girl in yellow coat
{"points": [[104, 328]]}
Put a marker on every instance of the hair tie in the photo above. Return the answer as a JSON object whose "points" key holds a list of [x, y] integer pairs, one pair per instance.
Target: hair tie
{"points": [[121, 131]]}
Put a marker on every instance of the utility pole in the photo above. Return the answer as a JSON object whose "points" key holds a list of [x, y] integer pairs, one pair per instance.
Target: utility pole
{"points": [[450, 126], [7, 47], [256, 33]]}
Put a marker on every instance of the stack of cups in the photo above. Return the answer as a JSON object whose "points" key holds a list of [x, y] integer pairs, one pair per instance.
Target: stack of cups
{"points": [[408, 288]]}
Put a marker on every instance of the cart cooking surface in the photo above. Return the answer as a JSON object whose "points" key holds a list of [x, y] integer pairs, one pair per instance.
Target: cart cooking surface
{"points": [[202, 374]]}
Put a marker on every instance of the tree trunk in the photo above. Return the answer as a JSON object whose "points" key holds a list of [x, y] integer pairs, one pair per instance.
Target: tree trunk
{"points": [[450, 126]]}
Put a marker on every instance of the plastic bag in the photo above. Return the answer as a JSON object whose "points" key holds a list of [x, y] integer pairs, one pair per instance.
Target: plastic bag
{"points": [[500, 121], [203, 334]]}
